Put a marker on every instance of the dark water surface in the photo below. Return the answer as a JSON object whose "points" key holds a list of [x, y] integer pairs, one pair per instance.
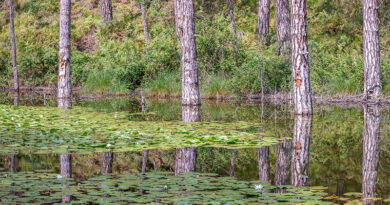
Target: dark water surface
{"points": [[338, 155]]}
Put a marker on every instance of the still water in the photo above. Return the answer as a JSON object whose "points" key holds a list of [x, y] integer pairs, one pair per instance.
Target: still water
{"points": [[340, 155]]}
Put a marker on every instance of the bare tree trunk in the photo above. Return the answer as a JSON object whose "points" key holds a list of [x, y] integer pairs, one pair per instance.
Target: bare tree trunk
{"points": [[13, 44], [66, 172], [371, 138], [283, 26], [64, 84], [232, 163], [371, 50], [264, 166], [283, 162], [105, 11], [186, 157], [231, 12], [185, 27], [145, 22], [144, 160], [107, 159], [263, 20], [300, 59], [66, 165], [16, 98], [301, 142]]}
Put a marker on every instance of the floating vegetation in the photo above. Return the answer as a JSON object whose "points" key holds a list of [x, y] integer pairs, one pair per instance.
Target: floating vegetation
{"points": [[47, 130], [157, 187]]}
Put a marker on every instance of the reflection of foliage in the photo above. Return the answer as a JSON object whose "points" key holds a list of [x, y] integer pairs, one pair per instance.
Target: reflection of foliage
{"points": [[38, 187]]}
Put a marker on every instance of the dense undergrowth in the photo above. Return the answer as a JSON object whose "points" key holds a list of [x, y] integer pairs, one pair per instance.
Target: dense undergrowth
{"points": [[115, 58]]}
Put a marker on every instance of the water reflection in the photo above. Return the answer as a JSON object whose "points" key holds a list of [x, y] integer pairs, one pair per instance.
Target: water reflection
{"points": [[186, 157], [264, 167], [16, 98], [283, 162], [300, 156], [66, 172], [144, 160], [106, 164], [371, 138]]}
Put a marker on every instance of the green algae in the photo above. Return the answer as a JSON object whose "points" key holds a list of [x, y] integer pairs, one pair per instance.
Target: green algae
{"points": [[48, 130]]}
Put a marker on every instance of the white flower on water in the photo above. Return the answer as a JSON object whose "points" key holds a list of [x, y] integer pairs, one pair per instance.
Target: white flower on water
{"points": [[109, 145], [258, 187], [59, 177]]}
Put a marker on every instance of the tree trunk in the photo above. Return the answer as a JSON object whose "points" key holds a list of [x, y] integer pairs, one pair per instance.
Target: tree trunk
{"points": [[300, 59], [371, 50], [64, 84], [231, 12], [105, 11], [16, 98], [144, 160], [66, 172], [145, 22], [371, 138], [107, 159], [186, 157], [283, 26], [13, 44], [283, 160], [264, 164], [301, 143], [185, 27], [12, 167], [263, 20], [66, 165]]}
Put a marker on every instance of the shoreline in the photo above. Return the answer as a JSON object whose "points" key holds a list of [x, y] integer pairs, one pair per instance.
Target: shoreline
{"points": [[277, 98]]}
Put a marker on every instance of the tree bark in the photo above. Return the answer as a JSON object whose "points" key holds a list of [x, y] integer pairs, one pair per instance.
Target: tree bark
{"points": [[107, 159], [186, 157], [144, 160], [12, 167], [263, 20], [105, 11], [185, 27], [16, 98], [283, 26], [283, 162], [231, 12], [301, 143], [300, 59], [371, 50], [264, 166], [13, 44], [145, 23], [64, 83], [371, 139]]}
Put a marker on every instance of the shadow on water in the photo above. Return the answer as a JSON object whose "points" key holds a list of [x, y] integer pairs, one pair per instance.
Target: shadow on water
{"points": [[338, 155]]}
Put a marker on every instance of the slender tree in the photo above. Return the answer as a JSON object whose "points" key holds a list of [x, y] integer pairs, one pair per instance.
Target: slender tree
{"points": [[64, 84], [13, 44], [185, 28], [231, 12], [300, 59], [264, 166], [263, 20], [371, 139], [233, 163], [283, 26], [105, 11], [371, 50], [145, 160], [145, 22], [300, 156]]}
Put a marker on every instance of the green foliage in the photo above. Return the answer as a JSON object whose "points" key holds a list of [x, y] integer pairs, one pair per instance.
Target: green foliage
{"points": [[116, 54]]}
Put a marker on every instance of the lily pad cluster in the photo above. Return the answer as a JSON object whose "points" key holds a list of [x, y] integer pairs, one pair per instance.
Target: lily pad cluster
{"points": [[47, 130], [156, 187]]}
